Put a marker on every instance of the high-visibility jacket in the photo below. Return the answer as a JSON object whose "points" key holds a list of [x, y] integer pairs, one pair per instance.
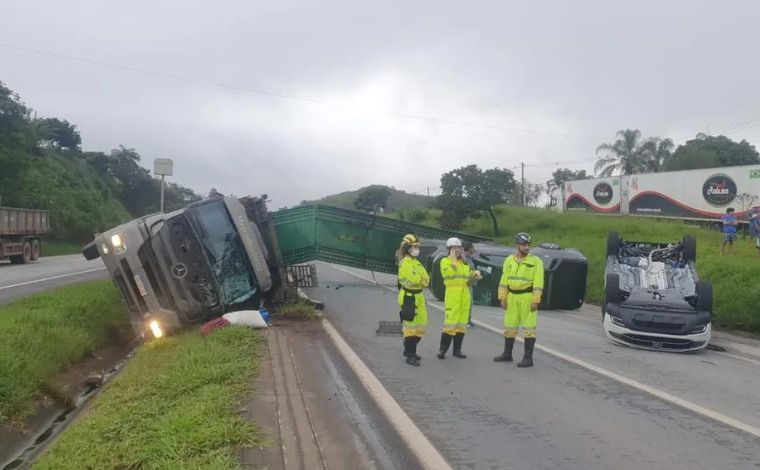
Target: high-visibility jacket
{"points": [[412, 278], [457, 299], [525, 276]]}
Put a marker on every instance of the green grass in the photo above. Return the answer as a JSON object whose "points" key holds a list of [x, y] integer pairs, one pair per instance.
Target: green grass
{"points": [[296, 311], [58, 248], [735, 278], [41, 334], [174, 406]]}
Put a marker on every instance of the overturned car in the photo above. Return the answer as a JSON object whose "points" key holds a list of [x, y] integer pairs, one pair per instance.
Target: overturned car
{"points": [[653, 298]]}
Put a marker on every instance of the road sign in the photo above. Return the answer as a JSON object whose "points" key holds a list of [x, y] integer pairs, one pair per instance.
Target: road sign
{"points": [[163, 166]]}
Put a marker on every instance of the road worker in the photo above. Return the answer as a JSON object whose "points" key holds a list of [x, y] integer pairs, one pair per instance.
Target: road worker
{"points": [[520, 290], [457, 277], [412, 278]]}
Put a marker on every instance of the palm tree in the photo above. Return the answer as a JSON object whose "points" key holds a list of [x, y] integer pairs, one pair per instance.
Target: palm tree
{"points": [[627, 155], [660, 150]]}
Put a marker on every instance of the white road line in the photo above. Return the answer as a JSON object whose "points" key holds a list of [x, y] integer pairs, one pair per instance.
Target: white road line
{"points": [[51, 278], [657, 393], [425, 451]]}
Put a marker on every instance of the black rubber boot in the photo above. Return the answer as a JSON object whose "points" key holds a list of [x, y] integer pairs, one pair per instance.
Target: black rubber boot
{"points": [[506, 356], [414, 346], [408, 345], [458, 339], [445, 343], [412, 361], [527, 360]]}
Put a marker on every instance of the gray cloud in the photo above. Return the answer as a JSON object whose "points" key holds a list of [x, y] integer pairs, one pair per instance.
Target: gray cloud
{"points": [[581, 68]]}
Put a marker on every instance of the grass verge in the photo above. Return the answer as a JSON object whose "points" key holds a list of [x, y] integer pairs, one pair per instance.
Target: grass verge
{"points": [[735, 277], [41, 334], [299, 310], [59, 247], [175, 406]]}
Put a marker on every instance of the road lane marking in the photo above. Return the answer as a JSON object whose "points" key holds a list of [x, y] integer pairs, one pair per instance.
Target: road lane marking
{"points": [[419, 444], [20, 284], [657, 393]]}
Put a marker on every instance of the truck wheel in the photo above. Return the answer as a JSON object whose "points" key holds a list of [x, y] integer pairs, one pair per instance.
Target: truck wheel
{"points": [[690, 248], [611, 290], [704, 296], [613, 243], [26, 253], [36, 250]]}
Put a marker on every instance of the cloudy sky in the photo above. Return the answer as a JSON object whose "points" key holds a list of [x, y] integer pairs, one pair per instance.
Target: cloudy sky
{"points": [[300, 99]]}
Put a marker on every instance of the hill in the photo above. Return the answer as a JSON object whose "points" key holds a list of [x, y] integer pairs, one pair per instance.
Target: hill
{"points": [[397, 200], [43, 167]]}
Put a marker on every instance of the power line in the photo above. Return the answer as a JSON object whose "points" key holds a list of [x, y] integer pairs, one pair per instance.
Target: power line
{"points": [[287, 96]]}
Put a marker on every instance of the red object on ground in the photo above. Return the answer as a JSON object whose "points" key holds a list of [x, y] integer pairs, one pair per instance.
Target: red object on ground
{"points": [[214, 324]]}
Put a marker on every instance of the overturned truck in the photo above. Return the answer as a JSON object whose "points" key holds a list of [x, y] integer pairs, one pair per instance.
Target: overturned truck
{"points": [[226, 254]]}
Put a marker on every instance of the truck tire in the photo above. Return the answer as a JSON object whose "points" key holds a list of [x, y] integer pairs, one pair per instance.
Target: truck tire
{"points": [[436, 280], [613, 243], [36, 249], [25, 256], [704, 296], [611, 290], [690, 248]]}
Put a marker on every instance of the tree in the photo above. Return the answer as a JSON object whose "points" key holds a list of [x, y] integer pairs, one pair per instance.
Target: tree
{"points": [[747, 201], [630, 154], [59, 134], [372, 198], [469, 189], [530, 196], [214, 193], [16, 142], [561, 175], [706, 151]]}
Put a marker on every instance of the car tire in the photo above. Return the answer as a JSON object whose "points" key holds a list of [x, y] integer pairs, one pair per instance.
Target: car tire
{"points": [[704, 292], [436, 280], [690, 248], [613, 243], [611, 290]]}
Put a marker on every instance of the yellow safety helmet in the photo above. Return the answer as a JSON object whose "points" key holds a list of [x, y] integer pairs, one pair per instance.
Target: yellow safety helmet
{"points": [[410, 240]]}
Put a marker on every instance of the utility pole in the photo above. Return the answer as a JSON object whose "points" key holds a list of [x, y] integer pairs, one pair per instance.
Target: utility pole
{"points": [[428, 191], [522, 183]]}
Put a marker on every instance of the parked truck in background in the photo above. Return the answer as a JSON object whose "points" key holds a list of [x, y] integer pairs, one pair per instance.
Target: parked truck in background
{"points": [[702, 195], [21, 233]]}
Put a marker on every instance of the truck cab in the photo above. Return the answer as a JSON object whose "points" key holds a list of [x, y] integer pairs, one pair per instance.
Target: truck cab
{"points": [[186, 266]]}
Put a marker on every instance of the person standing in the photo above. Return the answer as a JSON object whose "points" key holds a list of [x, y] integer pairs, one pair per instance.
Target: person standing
{"points": [[412, 278], [457, 278], [755, 226], [469, 256], [729, 231], [520, 290]]}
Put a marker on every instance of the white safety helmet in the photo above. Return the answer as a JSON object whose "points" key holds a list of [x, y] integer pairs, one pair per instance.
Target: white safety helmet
{"points": [[453, 241]]}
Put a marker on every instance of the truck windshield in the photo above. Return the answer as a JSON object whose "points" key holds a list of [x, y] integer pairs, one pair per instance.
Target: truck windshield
{"points": [[225, 251]]}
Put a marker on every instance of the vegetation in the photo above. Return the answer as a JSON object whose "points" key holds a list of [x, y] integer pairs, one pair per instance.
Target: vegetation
{"points": [[630, 154], [43, 167], [396, 200], [175, 405], [373, 198], [470, 189], [707, 151], [40, 335], [296, 311]]}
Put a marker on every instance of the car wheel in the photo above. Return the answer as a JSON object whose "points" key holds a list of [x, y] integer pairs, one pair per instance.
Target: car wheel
{"points": [[611, 290], [704, 296], [613, 243], [690, 248]]}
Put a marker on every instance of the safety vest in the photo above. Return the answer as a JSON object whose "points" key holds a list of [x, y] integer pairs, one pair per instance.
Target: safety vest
{"points": [[522, 277], [412, 274], [454, 274]]}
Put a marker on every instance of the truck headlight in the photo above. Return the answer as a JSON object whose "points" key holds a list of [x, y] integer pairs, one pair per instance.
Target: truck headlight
{"points": [[155, 328], [118, 242]]}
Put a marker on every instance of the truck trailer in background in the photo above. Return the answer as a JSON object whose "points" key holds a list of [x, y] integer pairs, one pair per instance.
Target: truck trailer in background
{"points": [[20, 233], [702, 195]]}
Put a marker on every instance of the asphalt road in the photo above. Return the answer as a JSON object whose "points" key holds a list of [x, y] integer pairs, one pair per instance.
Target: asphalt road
{"points": [[588, 404], [46, 273]]}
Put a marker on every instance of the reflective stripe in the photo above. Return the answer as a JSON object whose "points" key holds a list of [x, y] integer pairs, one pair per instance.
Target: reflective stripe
{"points": [[455, 276], [510, 332], [519, 278]]}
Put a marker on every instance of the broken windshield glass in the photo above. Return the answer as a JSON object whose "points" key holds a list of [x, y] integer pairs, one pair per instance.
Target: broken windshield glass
{"points": [[226, 253]]}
